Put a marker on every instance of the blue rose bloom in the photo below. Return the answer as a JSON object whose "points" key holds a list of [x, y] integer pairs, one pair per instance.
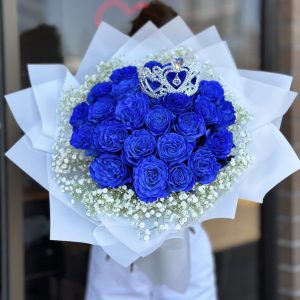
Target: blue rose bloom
{"points": [[152, 63], [178, 103], [159, 120], [137, 146], [93, 152], [181, 178], [109, 136], [204, 165], [150, 179], [226, 114], [156, 101], [126, 73], [190, 125], [132, 110], [79, 115], [82, 137], [121, 89], [220, 142], [108, 170], [212, 90], [207, 109], [173, 148], [98, 91], [103, 109]]}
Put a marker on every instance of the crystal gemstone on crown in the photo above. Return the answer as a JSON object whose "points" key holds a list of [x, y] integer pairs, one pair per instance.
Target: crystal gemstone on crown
{"points": [[178, 63]]}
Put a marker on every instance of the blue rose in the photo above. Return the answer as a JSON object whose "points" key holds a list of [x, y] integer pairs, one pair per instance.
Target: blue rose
{"points": [[181, 178], [220, 142], [121, 89], [103, 109], [93, 152], [212, 90], [108, 170], [137, 146], [152, 63], [226, 113], [132, 109], [109, 136], [207, 109], [190, 125], [98, 91], [126, 73], [159, 120], [150, 179], [79, 115], [178, 103], [156, 101], [173, 148], [82, 137], [204, 165]]}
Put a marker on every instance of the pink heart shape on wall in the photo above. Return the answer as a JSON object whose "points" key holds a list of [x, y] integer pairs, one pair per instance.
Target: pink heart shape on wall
{"points": [[124, 7]]}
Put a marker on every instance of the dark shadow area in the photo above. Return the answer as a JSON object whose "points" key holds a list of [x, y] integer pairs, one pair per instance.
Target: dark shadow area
{"points": [[237, 272]]}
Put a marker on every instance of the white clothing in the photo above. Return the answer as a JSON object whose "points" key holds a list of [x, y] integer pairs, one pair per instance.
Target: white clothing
{"points": [[107, 280]]}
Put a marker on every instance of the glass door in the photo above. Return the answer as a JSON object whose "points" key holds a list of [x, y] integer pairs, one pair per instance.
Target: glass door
{"points": [[59, 31]]}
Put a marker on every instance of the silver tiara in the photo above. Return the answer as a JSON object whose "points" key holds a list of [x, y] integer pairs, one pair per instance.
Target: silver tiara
{"points": [[175, 77]]}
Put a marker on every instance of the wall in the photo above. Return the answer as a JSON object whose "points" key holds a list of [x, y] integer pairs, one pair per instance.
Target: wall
{"points": [[289, 191]]}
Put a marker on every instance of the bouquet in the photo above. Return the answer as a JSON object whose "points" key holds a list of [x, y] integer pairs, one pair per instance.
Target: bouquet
{"points": [[154, 133]]}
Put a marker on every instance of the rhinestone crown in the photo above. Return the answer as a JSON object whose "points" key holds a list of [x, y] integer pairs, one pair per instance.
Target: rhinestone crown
{"points": [[175, 77]]}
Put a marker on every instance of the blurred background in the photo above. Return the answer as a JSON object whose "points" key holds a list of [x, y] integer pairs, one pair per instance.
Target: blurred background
{"points": [[257, 254]]}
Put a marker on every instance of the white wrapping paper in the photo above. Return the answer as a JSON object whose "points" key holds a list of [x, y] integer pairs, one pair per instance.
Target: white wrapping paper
{"points": [[266, 96]]}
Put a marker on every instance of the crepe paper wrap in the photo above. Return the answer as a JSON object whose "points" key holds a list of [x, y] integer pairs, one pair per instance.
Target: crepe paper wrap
{"points": [[180, 89]]}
